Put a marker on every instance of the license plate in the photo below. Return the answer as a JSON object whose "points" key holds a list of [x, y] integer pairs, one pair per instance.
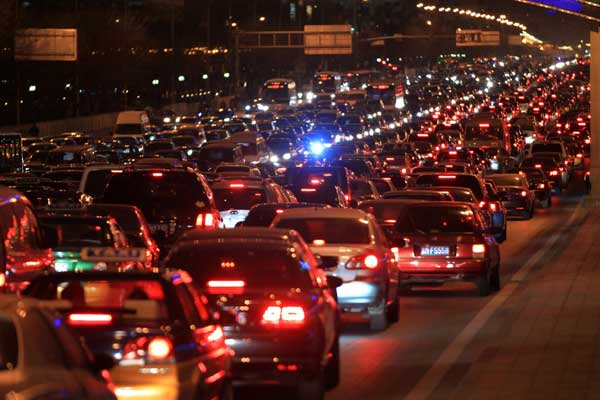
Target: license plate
{"points": [[435, 251]]}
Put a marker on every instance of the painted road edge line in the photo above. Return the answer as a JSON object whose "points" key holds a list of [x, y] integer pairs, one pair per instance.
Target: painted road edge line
{"points": [[432, 378]]}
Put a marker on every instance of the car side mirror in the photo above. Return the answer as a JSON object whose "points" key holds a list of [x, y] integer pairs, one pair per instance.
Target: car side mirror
{"points": [[102, 361], [49, 239], [334, 282]]}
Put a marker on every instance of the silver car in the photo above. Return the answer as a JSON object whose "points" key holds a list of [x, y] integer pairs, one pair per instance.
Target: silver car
{"points": [[352, 247]]}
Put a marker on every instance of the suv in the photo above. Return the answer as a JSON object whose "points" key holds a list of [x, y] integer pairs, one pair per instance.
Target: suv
{"points": [[172, 200]]}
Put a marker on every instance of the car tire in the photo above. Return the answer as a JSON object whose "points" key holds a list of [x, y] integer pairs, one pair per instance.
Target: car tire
{"points": [[332, 370], [495, 279], [393, 311], [311, 388], [378, 321], [483, 285]]}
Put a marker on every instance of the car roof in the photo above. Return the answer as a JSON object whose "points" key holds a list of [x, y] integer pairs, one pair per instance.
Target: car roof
{"points": [[323, 213], [252, 233], [220, 144]]}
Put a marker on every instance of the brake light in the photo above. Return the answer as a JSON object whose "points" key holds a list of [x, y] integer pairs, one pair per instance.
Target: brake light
{"points": [[287, 316], [226, 284], [116, 171], [159, 348], [484, 125], [493, 207], [538, 165], [279, 211], [389, 159], [478, 250], [554, 173], [2, 279], [453, 152], [481, 204], [89, 319], [389, 221], [579, 155], [206, 220], [308, 190], [157, 174], [447, 177], [523, 193], [371, 261], [315, 181], [236, 185], [403, 171], [422, 135], [396, 252], [541, 186]]}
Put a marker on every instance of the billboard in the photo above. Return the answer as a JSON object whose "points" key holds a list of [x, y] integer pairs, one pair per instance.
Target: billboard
{"points": [[569, 5], [327, 39], [46, 45], [474, 37]]}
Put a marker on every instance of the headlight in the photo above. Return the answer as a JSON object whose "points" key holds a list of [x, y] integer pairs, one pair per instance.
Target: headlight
{"points": [[287, 156], [274, 158], [316, 148]]}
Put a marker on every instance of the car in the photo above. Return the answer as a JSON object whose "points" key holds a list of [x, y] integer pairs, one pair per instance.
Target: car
{"points": [[280, 316], [235, 197], [439, 242], [155, 326], [539, 183], [361, 190], [42, 359], [76, 232], [157, 192], [264, 214], [555, 172], [516, 196], [420, 194], [354, 248]]}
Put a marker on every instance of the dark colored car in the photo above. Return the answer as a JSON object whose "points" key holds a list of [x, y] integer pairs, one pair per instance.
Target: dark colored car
{"points": [[419, 194], [552, 168], [515, 194], [440, 242], [539, 183], [280, 315], [172, 200], [145, 322]]}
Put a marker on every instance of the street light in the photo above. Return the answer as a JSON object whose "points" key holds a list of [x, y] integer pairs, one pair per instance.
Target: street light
{"points": [[226, 75], [205, 76], [155, 82], [181, 78], [429, 22], [262, 19], [32, 88]]}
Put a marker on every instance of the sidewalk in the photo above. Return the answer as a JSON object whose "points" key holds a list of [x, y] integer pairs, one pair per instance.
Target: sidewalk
{"points": [[544, 342]]}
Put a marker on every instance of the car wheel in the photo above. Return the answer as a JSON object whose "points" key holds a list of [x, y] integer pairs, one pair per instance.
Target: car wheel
{"points": [[393, 311], [332, 370], [495, 279], [378, 320], [311, 388], [483, 285]]}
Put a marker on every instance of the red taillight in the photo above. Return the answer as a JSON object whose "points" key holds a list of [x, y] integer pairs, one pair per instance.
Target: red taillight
{"points": [[279, 211], [159, 348], [523, 193], [89, 319], [452, 152], [236, 186], [157, 174], [308, 190], [371, 261], [2, 279], [478, 250], [286, 316], [484, 125], [447, 177], [541, 186], [206, 221], [226, 284], [403, 171], [482, 204], [493, 207], [579, 155], [554, 173], [315, 181], [538, 165], [389, 159], [389, 221], [396, 252]]}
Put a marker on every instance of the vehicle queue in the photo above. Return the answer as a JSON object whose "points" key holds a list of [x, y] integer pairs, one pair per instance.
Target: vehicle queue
{"points": [[211, 251]]}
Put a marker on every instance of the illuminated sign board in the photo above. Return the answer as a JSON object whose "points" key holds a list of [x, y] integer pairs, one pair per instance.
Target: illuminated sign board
{"points": [[569, 5]]}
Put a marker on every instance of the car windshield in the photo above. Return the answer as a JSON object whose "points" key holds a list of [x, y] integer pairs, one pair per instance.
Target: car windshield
{"points": [[509, 180], [330, 230], [158, 194], [238, 199], [133, 300], [441, 219], [466, 181], [260, 268]]}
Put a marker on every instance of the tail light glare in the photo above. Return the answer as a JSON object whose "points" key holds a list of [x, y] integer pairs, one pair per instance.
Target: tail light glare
{"points": [[541, 186], [554, 173], [482, 204], [523, 193], [493, 207], [278, 316], [363, 262], [206, 221], [396, 252], [159, 348], [371, 261], [478, 250], [89, 319]]}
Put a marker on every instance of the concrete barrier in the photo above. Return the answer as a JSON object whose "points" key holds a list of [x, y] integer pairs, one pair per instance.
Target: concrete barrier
{"points": [[99, 124]]}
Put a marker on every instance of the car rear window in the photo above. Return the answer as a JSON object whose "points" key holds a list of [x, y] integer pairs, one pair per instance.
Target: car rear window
{"points": [[259, 268], [96, 182], [158, 194], [217, 154], [132, 300], [466, 181], [330, 230], [238, 199], [9, 345], [430, 220], [546, 148], [81, 234], [542, 162], [500, 180]]}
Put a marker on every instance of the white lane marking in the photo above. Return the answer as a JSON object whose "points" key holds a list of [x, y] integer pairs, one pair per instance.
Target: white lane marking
{"points": [[432, 378]]}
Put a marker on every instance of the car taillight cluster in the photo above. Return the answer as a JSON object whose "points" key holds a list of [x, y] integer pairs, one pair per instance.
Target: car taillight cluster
{"points": [[158, 348], [206, 221], [283, 316], [478, 250], [89, 319], [554, 173], [370, 261]]}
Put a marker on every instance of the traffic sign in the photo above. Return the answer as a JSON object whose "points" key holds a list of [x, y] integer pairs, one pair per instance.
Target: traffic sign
{"points": [[327, 39], [46, 45], [474, 37]]}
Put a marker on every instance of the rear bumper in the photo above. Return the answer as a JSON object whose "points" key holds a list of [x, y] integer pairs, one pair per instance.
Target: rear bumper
{"points": [[282, 359], [416, 271], [517, 207], [357, 296]]}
